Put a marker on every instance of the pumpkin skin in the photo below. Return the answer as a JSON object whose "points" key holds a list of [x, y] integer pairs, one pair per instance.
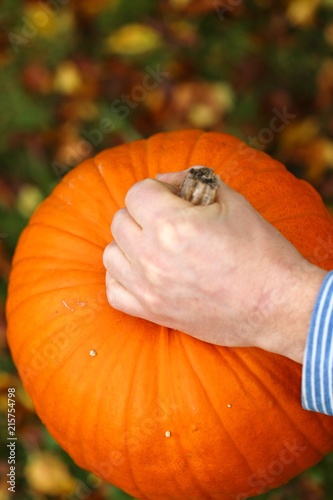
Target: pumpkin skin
{"points": [[157, 413]]}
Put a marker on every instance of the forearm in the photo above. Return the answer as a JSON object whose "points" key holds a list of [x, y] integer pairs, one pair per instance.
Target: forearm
{"points": [[292, 294]]}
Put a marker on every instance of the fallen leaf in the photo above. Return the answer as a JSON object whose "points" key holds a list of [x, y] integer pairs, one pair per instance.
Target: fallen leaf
{"points": [[47, 474], [200, 104], [67, 79], [298, 133], [302, 12], [133, 39], [46, 22], [28, 198]]}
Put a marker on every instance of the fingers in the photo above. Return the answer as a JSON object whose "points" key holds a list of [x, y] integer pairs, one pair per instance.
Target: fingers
{"points": [[150, 199], [175, 178], [117, 264], [119, 278], [121, 299], [126, 232]]}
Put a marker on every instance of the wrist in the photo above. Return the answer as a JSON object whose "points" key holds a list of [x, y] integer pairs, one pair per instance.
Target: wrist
{"points": [[292, 302]]}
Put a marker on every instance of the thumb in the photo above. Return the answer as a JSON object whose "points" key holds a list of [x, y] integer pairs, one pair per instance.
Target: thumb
{"points": [[224, 195], [173, 178], [176, 178]]}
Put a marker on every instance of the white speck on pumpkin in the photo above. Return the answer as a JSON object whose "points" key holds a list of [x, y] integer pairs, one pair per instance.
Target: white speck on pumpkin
{"points": [[229, 406], [167, 434], [67, 306], [92, 352]]}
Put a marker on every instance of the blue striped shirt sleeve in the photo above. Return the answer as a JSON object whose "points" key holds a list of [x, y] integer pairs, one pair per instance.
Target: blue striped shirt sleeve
{"points": [[317, 379]]}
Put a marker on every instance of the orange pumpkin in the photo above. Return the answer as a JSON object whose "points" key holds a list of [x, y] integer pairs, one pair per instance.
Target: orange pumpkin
{"points": [[151, 410]]}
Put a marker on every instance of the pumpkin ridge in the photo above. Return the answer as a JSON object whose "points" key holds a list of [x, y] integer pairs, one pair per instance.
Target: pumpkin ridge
{"points": [[98, 167], [98, 437], [255, 354], [72, 424], [303, 188], [215, 411], [288, 416], [274, 167], [181, 449], [193, 147], [221, 157], [164, 148], [152, 159], [37, 294], [227, 360], [129, 398], [64, 287], [69, 232], [133, 155], [55, 257], [175, 398], [295, 216]]}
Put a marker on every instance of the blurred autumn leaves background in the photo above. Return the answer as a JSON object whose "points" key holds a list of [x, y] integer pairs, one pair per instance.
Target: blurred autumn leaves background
{"points": [[78, 76]]}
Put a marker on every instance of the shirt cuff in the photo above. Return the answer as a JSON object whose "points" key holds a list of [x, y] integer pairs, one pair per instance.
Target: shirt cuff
{"points": [[317, 379]]}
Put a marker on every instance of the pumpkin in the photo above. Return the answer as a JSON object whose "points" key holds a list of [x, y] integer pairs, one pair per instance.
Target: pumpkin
{"points": [[153, 411]]}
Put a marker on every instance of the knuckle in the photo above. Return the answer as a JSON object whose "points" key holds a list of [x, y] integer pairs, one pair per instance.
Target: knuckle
{"points": [[111, 293], [136, 190], [108, 255], [151, 301], [117, 220], [174, 234]]}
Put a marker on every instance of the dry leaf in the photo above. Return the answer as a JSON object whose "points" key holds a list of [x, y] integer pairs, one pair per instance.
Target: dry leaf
{"points": [[28, 198], [6, 380], [200, 104], [21, 397], [45, 22], [302, 143], [319, 157], [67, 79], [47, 474], [298, 133], [302, 12], [133, 39]]}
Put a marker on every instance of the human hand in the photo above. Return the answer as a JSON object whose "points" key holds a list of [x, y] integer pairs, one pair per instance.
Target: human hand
{"points": [[220, 273]]}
